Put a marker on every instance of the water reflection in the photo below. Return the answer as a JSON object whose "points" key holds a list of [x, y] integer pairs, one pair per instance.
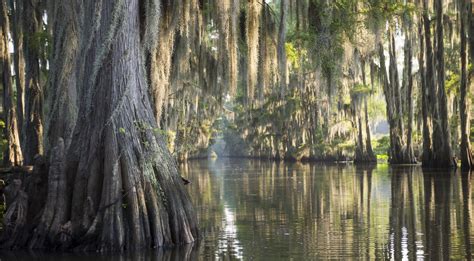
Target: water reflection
{"points": [[263, 210], [187, 252], [322, 211]]}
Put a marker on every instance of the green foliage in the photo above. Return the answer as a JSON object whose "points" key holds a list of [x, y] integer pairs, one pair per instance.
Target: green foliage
{"points": [[346, 146], [377, 12], [142, 126], [376, 108], [206, 127], [294, 55], [381, 146], [170, 138], [344, 18], [41, 43], [453, 81], [300, 37], [471, 127], [361, 89], [316, 110], [382, 157], [346, 100]]}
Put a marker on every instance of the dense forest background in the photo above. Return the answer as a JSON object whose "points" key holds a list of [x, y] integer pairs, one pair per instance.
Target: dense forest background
{"points": [[300, 80]]}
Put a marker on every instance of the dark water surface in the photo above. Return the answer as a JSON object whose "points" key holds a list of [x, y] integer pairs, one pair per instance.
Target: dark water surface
{"points": [[256, 210]]}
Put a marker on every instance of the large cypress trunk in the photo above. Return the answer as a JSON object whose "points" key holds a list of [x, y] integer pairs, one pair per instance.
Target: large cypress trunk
{"points": [[442, 152], [63, 96], [12, 155], [429, 95], [393, 103], [116, 187], [33, 127], [437, 150], [426, 154], [423, 24]]}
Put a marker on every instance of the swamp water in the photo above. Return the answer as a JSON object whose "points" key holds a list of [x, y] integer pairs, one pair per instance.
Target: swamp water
{"points": [[258, 210]]}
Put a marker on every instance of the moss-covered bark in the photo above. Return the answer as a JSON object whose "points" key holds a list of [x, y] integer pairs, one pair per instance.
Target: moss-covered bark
{"points": [[116, 187], [34, 93], [13, 155]]}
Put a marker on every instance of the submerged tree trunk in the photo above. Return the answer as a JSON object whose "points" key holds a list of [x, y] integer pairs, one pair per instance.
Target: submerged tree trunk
{"points": [[117, 187], [360, 153], [466, 154], [426, 151], [364, 154], [428, 83], [13, 155], [370, 151], [437, 150], [33, 128], [442, 153], [408, 99], [391, 88]]}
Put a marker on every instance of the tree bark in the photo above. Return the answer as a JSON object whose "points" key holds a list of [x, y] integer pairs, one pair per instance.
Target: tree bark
{"points": [[443, 155], [13, 155], [426, 152], [19, 62], [408, 99], [396, 121], [429, 94], [360, 154], [466, 154], [33, 144], [370, 151], [391, 86], [116, 187], [368, 140], [63, 96]]}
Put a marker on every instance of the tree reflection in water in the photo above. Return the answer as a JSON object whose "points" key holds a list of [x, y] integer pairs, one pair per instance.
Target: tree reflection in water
{"points": [[312, 211], [266, 210]]}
